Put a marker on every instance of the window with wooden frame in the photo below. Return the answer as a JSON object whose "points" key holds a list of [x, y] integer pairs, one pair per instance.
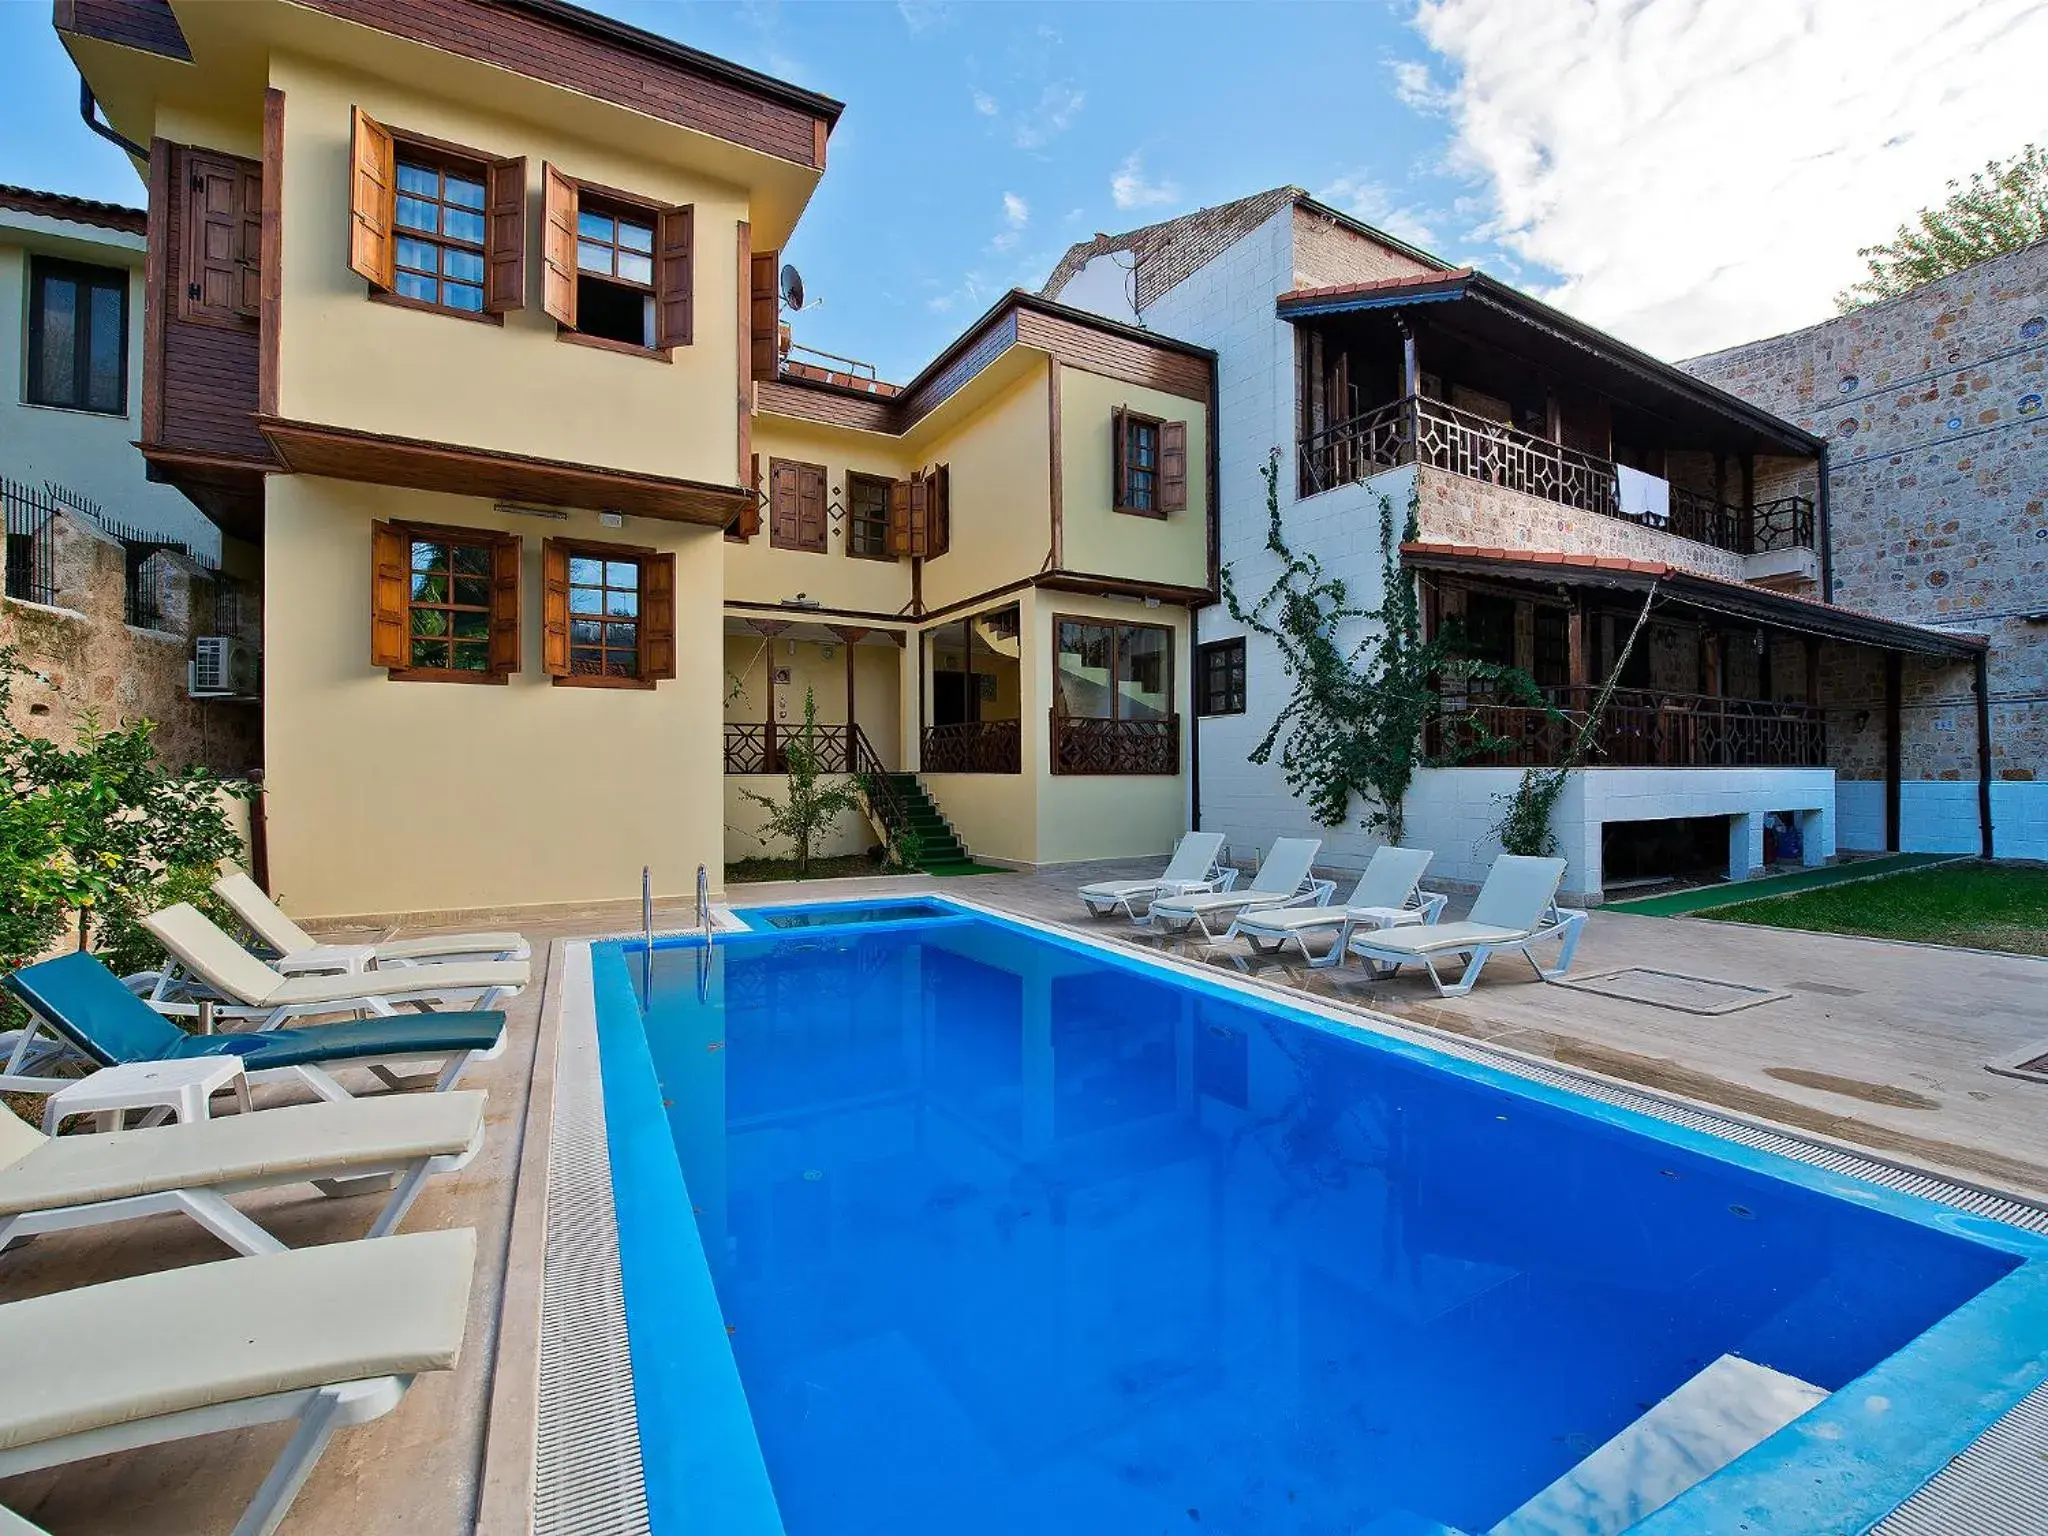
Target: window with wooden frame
{"points": [[1109, 671], [444, 603], [921, 514], [1148, 464], [867, 517], [617, 268], [1219, 678], [796, 505], [433, 225], [220, 249], [77, 336], [608, 614]]}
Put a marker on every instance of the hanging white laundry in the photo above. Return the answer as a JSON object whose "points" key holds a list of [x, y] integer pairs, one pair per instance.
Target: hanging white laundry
{"points": [[1644, 497]]}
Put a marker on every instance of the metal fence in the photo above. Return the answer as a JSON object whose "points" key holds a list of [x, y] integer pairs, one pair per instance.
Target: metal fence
{"points": [[31, 542], [31, 549]]}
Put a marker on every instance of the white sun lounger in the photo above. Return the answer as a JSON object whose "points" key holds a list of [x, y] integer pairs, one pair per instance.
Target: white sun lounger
{"points": [[251, 990], [299, 953], [326, 1336], [54, 1183], [1388, 895], [1516, 910], [1285, 879], [1192, 868]]}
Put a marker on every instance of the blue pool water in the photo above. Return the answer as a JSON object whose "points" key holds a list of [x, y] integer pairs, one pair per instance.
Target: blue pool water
{"points": [[840, 914], [1013, 1236]]}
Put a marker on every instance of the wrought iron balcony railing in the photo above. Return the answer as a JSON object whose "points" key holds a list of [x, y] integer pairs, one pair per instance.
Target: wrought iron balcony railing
{"points": [[1640, 728]]}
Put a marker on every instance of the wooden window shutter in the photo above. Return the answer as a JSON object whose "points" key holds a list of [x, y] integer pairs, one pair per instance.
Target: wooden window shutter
{"points": [[1173, 466], [505, 235], [1119, 441], [920, 515], [212, 277], [658, 616], [390, 594], [899, 517], [810, 507], [672, 276], [764, 325], [938, 512], [558, 252], [505, 604], [783, 517], [372, 200], [249, 241], [554, 608]]}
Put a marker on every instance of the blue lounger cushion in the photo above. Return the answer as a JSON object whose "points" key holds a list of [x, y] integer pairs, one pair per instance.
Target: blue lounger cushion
{"points": [[89, 1005]]}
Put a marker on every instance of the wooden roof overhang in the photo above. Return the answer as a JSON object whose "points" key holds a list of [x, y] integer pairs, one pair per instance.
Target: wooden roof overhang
{"points": [[1729, 599], [1474, 307]]}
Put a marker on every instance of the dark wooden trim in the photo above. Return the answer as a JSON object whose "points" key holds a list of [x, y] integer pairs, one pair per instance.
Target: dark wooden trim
{"points": [[443, 675], [1115, 354], [604, 59], [623, 198], [1894, 687], [606, 344], [1980, 686], [196, 458], [897, 620], [399, 300], [587, 680], [156, 289], [76, 210], [377, 458], [1057, 557], [1118, 586], [871, 479], [270, 258], [745, 394], [146, 25]]}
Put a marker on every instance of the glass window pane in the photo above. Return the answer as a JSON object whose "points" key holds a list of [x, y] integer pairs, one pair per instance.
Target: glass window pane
{"points": [[413, 286], [586, 572], [621, 664], [57, 379], [622, 573], [1141, 672], [429, 557], [430, 589], [468, 266], [472, 656], [417, 178], [594, 258], [594, 226], [636, 269], [622, 637], [469, 194], [586, 600], [585, 632], [416, 254], [429, 621], [103, 383], [623, 605], [589, 662], [462, 296], [458, 225], [430, 653], [472, 560], [472, 592], [636, 237], [414, 214], [1084, 682], [472, 626]]}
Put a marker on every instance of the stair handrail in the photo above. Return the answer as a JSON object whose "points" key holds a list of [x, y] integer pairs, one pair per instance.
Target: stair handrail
{"points": [[875, 782]]}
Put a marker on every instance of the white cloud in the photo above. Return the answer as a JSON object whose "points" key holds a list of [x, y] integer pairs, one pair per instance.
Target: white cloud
{"points": [[1700, 172], [1015, 210], [920, 15], [985, 104], [1363, 198], [1416, 87], [1054, 114], [1129, 188]]}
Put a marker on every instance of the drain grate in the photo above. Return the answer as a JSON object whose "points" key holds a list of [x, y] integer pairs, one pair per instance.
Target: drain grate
{"points": [[1672, 989], [2031, 1064], [587, 1478]]}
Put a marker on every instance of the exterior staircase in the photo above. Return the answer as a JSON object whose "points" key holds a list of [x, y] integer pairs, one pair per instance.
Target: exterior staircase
{"points": [[940, 851]]}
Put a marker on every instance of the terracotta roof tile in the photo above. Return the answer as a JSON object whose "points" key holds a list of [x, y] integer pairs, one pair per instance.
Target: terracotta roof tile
{"points": [[1378, 285]]}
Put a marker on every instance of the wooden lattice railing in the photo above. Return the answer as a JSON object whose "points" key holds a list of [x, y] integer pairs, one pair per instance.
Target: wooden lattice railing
{"points": [[1081, 744], [973, 746], [1640, 728]]}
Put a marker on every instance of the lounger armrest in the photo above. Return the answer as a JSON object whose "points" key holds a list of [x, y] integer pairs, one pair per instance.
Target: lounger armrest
{"points": [[1227, 880], [1431, 906], [1320, 891]]}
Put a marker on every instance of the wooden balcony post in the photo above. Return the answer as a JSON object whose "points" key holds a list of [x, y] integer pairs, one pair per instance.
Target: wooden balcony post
{"points": [[1575, 643], [1411, 389], [1749, 503]]}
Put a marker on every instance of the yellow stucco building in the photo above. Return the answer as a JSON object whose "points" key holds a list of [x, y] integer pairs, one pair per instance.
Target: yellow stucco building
{"points": [[467, 316]]}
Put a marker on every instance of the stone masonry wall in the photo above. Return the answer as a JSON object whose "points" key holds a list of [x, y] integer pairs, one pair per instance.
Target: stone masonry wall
{"points": [[89, 660], [1326, 253], [1932, 404], [1455, 510]]}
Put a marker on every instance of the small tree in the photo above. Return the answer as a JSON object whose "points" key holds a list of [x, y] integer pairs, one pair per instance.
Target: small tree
{"points": [[1355, 721], [2004, 207], [812, 804]]}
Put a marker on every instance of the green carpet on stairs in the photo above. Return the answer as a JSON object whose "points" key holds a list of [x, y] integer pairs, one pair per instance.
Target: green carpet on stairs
{"points": [[1680, 903]]}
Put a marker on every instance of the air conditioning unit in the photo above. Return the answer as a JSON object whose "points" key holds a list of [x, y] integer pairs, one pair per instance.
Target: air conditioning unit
{"points": [[224, 667]]}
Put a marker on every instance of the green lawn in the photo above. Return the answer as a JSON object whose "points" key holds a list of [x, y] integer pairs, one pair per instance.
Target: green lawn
{"points": [[1978, 906]]}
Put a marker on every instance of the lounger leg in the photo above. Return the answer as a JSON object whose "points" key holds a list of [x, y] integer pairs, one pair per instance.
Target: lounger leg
{"points": [[321, 1081], [203, 1206], [1464, 983], [401, 1200], [288, 1475], [1573, 926], [1337, 951]]}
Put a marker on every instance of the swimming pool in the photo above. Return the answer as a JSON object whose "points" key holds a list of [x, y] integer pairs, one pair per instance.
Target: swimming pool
{"points": [[1004, 1232]]}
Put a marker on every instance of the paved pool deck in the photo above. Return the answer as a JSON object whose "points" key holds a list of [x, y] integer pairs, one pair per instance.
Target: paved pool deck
{"points": [[1878, 1045]]}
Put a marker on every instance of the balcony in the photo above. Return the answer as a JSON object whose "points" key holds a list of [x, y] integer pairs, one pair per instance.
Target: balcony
{"points": [[1084, 745], [1640, 728], [1440, 436]]}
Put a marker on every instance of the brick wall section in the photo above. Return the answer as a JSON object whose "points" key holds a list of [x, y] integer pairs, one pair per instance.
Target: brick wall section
{"points": [[1455, 510], [95, 662], [1938, 470], [1326, 253]]}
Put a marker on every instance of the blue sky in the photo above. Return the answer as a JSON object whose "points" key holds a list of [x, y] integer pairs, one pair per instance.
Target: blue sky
{"points": [[1688, 173]]}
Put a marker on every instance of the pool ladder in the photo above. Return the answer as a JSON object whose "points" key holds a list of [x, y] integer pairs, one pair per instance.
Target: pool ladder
{"points": [[703, 902]]}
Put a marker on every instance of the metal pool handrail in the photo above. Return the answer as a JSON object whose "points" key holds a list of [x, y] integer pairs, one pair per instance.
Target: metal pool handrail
{"points": [[703, 902]]}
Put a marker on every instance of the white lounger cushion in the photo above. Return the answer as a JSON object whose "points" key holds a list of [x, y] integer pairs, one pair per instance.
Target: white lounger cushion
{"points": [[267, 920], [1280, 877], [135, 1349], [210, 954], [271, 1146], [1304, 919], [1193, 860], [1444, 936]]}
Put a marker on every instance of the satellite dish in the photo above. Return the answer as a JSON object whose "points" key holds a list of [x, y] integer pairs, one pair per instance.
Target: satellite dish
{"points": [[792, 287]]}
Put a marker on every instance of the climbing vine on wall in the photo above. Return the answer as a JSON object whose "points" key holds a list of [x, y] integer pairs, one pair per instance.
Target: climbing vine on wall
{"points": [[1354, 721]]}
